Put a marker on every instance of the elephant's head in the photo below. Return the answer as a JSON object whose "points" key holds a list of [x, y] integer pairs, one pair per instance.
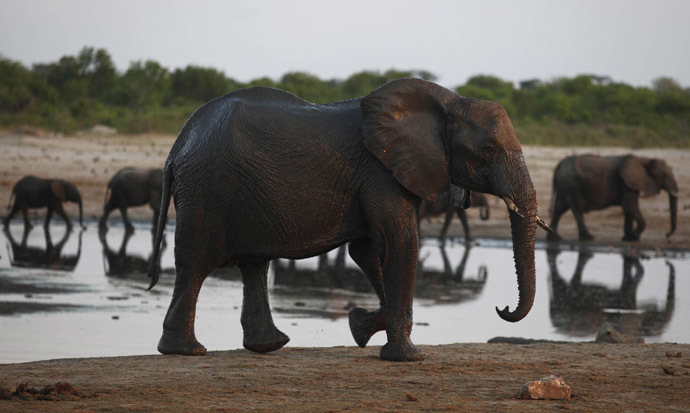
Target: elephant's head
{"points": [[430, 137], [65, 191], [649, 176]]}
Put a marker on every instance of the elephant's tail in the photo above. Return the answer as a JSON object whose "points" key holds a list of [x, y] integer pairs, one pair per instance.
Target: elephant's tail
{"points": [[11, 198], [154, 268], [107, 192]]}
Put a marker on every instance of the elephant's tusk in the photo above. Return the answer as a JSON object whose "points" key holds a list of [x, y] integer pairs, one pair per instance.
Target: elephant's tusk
{"points": [[543, 224], [512, 207]]}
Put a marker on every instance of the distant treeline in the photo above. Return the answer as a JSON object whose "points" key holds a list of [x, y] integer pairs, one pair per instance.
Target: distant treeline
{"points": [[77, 92]]}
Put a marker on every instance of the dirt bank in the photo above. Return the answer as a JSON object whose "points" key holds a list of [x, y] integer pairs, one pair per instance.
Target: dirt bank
{"points": [[457, 377], [90, 161]]}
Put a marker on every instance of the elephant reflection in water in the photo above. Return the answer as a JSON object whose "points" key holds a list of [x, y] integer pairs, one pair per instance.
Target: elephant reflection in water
{"points": [[121, 264], [331, 276], [50, 257], [319, 291], [580, 309], [327, 275], [449, 285]]}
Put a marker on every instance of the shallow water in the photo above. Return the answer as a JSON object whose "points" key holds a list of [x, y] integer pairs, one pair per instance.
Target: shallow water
{"points": [[80, 295]]}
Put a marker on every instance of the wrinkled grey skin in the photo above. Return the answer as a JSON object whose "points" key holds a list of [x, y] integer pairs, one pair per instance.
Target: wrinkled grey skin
{"points": [[131, 187], [260, 174], [433, 209], [584, 183], [31, 192]]}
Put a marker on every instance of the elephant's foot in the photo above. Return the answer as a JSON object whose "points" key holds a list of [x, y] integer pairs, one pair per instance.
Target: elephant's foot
{"points": [[261, 341], [401, 351], [553, 236], [364, 324], [171, 343], [631, 238], [586, 237]]}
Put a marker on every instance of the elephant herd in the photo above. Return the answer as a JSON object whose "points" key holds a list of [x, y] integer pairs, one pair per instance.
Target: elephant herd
{"points": [[260, 174], [129, 187]]}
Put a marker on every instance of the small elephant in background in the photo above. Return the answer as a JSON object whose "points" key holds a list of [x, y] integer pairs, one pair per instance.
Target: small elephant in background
{"points": [[31, 192], [131, 187], [432, 209], [588, 182]]}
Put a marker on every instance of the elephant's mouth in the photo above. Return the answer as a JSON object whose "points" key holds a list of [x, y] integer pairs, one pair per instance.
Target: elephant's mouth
{"points": [[460, 197]]}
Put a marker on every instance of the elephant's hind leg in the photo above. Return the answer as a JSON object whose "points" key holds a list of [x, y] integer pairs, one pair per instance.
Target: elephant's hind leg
{"points": [[559, 208], [260, 334], [178, 326], [364, 323]]}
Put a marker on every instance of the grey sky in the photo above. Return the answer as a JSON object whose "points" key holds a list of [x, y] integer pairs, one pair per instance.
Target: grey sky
{"points": [[630, 40]]}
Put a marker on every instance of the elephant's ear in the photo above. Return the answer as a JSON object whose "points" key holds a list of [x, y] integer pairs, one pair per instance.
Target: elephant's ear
{"points": [[635, 176], [58, 189], [404, 126]]}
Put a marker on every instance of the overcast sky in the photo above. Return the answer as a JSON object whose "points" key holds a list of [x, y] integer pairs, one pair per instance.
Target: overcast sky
{"points": [[632, 41]]}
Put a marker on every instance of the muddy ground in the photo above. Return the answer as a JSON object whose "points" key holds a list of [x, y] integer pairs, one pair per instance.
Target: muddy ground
{"points": [[458, 377]]}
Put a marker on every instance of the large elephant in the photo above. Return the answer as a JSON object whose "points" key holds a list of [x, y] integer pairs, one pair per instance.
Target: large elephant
{"points": [[260, 174], [432, 209], [588, 182], [32, 192], [131, 187]]}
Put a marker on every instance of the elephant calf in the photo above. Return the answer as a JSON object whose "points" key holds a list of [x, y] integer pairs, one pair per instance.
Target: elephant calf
{"points": [[589, 182], [32, 192], [433, 209], [131, 187]]}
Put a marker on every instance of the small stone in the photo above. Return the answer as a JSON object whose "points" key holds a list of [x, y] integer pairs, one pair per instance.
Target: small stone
{"points": [[677, 355], [64, 387], [410, 398], [49, 389], [669, 370], [549, 388]]}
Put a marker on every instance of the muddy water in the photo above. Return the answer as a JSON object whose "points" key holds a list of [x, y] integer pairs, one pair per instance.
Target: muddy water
{"points": [[78, 294]]}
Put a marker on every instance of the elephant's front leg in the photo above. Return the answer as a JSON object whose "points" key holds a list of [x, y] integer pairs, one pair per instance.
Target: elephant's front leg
{"points": [[632, 213], [364, 323], [260, 334], [399, 268]]}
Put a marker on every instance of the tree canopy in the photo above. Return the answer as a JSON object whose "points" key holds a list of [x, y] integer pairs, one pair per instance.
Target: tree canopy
{"points": [[81, 90]]}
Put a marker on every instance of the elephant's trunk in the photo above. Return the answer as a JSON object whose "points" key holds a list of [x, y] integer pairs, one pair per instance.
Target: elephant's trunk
{"points": [[523, 222], [673, 206]]}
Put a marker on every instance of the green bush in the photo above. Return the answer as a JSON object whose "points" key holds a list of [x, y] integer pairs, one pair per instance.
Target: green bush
{"points": [[77, 92]]}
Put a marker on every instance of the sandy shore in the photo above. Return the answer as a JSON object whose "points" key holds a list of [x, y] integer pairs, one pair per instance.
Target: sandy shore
{"points": [[458, 377]]}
